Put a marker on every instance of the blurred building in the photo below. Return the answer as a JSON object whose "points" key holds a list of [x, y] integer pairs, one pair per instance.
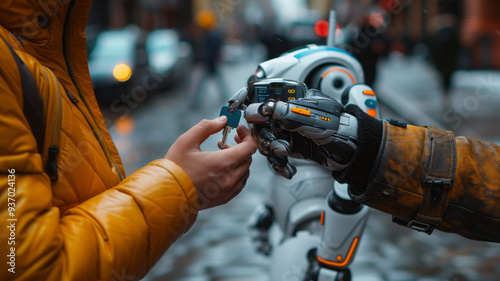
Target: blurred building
{"points": [[475, 24], [480, 32], [411, 22], [157, 14], [148, 14]]}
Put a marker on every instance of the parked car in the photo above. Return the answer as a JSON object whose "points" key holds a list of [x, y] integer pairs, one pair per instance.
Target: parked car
{"points": [[168, 59], [112, 63]]}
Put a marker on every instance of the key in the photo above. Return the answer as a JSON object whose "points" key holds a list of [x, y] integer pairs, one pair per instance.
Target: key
{"points": [[233, 119]]}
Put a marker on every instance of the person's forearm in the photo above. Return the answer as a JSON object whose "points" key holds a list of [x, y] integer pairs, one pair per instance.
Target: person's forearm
{"points": [[428, 179], [128, 227]]}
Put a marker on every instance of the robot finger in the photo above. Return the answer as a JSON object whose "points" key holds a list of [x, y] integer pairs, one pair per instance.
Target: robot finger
{"points": [[253, 114], [281, 165], [265, 139], [280, 147], [239, 98]]}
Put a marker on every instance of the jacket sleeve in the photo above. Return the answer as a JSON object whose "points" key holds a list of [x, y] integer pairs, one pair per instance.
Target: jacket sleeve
{"points": [[117, 235], [429, 179]]}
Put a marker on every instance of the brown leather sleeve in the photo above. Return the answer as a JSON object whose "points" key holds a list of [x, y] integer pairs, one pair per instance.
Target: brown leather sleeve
{"points": [[429, 179]]}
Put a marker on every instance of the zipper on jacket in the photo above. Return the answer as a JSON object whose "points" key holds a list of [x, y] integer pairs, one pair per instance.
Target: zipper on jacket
{"points": [[90, 119], [52, 163], [53, 151], [71, 97]]}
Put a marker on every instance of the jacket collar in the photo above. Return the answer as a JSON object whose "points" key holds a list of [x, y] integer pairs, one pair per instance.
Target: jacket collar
{"points": [[53, 31]]}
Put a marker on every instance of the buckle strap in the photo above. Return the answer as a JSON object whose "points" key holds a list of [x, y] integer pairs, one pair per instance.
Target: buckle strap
{"points": [[439, 176], [436, 182], [32, 101], [415, 225]]}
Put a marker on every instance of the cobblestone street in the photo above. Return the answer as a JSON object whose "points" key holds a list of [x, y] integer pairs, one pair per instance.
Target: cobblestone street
{"points": [[218, 247]]}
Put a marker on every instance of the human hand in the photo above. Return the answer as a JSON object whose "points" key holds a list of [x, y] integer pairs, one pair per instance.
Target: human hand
{"points": [[218, 176]]}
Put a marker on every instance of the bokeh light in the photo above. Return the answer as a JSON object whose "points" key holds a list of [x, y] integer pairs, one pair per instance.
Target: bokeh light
{"points": [[122, 72], [321, 28]]}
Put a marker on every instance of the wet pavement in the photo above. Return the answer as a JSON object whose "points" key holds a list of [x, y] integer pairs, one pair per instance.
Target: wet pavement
{"points": [[218, 246], [412, 88]]}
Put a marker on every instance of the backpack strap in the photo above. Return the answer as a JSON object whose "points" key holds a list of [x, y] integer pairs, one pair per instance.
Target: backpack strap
{"points": [[32, 102]]}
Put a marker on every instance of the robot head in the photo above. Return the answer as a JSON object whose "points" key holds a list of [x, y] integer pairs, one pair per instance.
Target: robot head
{"points": [[330, 70]]}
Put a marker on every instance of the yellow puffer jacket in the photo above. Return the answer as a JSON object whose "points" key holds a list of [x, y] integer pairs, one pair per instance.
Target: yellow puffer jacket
{"points": [[90, 224]]}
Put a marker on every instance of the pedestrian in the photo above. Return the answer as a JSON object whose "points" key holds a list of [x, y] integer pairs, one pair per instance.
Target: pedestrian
{"points": [[67, 211], [207, 44], [444, 48]]}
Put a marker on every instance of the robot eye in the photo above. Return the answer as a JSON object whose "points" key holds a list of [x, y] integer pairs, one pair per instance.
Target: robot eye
{"points": [[338, 83]]}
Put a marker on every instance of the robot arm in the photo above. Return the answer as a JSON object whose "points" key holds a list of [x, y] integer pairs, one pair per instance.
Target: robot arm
{"points": [[315, 127]]}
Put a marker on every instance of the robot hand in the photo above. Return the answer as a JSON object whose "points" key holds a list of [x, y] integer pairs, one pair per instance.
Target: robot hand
{"points": [[314, 127]]}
